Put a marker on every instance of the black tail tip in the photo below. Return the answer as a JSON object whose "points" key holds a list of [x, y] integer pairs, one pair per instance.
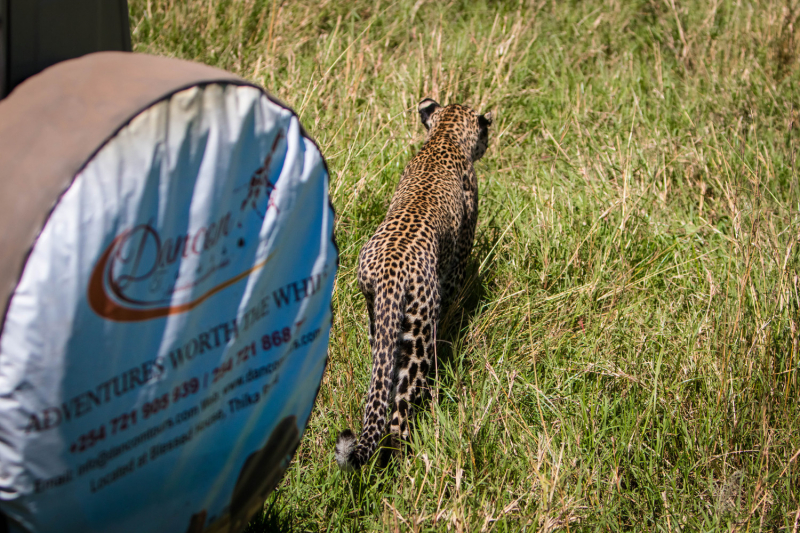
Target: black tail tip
{"points": [[345, 444]]}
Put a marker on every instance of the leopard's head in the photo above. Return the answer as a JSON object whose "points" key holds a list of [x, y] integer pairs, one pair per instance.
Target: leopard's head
{"points": [[468, 128]]}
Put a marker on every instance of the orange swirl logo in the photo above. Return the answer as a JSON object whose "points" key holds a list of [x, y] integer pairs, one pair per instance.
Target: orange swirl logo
{"points": [[140, 273], [139, 257]]}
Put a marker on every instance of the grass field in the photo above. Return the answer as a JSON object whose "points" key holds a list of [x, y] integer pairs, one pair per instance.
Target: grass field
{"points": [[625, 355]]}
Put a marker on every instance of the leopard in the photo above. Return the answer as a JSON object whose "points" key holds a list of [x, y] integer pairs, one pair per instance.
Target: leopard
{"points": [[411, 270]]}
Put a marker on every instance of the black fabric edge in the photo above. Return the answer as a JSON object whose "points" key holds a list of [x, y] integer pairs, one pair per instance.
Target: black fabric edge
{"points": [[305, 135]]}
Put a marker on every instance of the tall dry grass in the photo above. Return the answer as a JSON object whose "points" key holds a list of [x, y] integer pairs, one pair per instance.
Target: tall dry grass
{"points": [[625, 355]]}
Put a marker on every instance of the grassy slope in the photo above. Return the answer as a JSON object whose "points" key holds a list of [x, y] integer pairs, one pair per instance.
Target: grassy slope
{"points": [[626, 354]]}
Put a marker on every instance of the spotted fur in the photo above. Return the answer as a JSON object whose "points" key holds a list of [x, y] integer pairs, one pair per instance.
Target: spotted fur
{"points": [[413, 267]]}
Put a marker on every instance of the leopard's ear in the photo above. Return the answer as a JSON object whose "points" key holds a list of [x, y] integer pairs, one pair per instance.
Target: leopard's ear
{"points": [[426, 109], [485, 120]]}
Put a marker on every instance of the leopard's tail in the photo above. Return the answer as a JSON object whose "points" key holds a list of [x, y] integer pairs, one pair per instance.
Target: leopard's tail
{"points": [[352, 451]]}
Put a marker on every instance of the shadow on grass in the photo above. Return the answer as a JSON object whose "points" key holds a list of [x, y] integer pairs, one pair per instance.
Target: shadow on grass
{"points": [[272, 520], [272, 523], [471, 298], [362, 493]]}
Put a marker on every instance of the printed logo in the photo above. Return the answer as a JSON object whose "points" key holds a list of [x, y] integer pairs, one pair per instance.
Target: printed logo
{"points": [[145, 274]]}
